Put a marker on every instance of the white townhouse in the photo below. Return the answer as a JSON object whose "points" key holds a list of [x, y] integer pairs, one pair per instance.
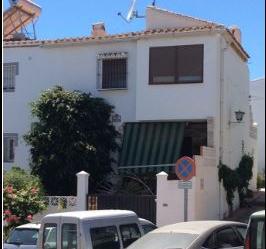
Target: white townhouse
{"points": [[175, 86]]}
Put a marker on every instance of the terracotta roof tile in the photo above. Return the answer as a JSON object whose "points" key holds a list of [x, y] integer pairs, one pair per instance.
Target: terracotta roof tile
{"points": [[122, 36]]}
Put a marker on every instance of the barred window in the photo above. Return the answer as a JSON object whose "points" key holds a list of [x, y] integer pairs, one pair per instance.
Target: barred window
{"points": [[112, 71], [10, 141], [10, 72]]}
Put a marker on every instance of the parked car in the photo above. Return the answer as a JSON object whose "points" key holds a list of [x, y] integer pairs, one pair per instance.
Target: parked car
{"points": [[255, 237], [23, 237], [195, 235], [101, 229], [18, 237]]}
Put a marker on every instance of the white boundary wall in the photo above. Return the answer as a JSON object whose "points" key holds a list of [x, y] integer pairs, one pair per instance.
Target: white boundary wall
{"points": [[203, 198]]}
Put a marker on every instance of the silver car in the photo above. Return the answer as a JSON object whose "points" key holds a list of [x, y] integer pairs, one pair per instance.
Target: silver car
{"points": [[23, 237], [195, 235]]}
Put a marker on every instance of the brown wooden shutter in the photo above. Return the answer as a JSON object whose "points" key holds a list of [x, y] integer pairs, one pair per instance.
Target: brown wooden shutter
{"points": [[190, 64], [162, 65]]}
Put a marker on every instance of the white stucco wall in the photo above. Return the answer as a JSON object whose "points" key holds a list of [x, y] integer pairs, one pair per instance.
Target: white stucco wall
{"points": [[236, 138], [158, 18], [170, 201], [207, 185], [257, 93], [203, 198]]}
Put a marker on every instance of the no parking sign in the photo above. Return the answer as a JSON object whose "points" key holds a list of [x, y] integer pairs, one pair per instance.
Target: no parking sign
{"points": [[185, 170]]}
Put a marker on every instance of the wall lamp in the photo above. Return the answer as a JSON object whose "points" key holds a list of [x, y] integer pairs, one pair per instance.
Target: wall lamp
{"points": [[239, 117]]}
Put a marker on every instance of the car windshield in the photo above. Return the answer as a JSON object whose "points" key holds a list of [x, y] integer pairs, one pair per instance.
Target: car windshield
{"points": [[164, 241], [23, 237]]}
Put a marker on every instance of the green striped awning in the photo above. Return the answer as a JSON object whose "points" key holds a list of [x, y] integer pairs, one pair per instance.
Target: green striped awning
{"points": [[150, 146]]}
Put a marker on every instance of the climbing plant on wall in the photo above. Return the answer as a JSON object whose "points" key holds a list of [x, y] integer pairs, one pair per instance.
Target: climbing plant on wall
{"points": [[230, 183], [245, 174], [237, 179]]}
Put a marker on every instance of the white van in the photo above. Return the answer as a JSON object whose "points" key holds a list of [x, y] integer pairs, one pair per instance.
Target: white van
{"points": [[101, 229]]}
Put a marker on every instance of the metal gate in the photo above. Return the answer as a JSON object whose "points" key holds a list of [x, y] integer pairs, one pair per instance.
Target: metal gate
{"points": [[143, 205]]}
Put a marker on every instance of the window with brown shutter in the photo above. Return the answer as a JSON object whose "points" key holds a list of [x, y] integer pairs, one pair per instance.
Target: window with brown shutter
{"points": [[176, 64]]}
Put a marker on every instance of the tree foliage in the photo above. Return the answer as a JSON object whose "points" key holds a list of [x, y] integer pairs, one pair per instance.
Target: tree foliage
{"points": [[22, 197], [73, 132]]}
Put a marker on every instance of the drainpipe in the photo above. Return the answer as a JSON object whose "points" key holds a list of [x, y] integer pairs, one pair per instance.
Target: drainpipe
{"points": [[221, 51]]}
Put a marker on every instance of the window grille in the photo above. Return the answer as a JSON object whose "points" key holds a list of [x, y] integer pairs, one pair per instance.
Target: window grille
{"points": [[10, 141], [10, 72], [112, 71]]}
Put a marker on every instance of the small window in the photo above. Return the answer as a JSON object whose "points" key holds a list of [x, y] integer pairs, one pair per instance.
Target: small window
{"points": [[105, 238], [227, 238], [176, 64], [69, 236], [10, 141], [9, 75], [49, 236], [130, 233], [112, 71]]}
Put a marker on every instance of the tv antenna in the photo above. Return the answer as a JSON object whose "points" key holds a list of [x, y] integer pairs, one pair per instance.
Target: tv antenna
{"points": [[132, 13]]}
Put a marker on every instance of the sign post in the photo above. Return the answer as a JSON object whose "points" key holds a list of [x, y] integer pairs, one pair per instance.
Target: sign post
{"points": [[185, 170]]}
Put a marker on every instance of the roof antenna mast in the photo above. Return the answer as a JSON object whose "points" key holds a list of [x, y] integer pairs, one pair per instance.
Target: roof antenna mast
{"points": [[132, 13]]}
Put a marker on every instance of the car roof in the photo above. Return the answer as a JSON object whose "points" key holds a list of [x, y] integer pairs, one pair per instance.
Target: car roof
{"points": [[195, 227], [29, 226], [258, 214], [94, 214]]}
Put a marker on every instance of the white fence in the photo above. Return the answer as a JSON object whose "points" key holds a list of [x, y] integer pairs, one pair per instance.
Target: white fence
{"points": [[56, 204]]}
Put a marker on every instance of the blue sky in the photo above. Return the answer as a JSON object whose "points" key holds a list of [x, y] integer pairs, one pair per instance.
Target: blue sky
{"points": [[71, 18]]}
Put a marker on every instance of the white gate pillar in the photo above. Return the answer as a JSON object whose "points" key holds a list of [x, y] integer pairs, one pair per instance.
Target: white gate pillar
{"points": [[161, 205], [82, 190]]}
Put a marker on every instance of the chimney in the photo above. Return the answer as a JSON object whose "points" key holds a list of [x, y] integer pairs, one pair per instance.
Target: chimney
{"points": [[236, 33], [98, 29]]}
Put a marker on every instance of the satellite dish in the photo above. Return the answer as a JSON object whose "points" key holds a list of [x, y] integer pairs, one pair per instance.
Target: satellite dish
{"points": [[132, 11]]}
